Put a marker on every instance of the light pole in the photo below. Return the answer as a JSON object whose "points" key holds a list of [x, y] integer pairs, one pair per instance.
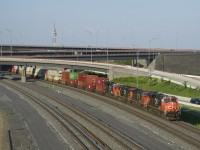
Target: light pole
{"points": [[96, 39], [1, 40], [91, 41], [107, 44], [10, 31], [177, 39], [137, 66], [149, 48]]}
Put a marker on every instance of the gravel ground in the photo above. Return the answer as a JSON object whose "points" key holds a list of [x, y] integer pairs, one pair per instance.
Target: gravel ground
{"points": [[25, 134], [59, 130], [133, 121], [118, 114], [2, 130], [14, 122], [55, 127]]}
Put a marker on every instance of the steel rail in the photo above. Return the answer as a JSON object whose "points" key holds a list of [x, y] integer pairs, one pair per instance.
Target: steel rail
{"points": [[178, 133], [49, 110], [95, 122]]}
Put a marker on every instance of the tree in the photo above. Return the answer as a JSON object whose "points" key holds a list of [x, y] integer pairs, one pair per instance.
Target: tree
{"points": [[185, 84]]}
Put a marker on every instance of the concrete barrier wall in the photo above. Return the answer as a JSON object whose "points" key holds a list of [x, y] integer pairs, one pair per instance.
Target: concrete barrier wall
{"points": [[179, 63], [128, 72]]}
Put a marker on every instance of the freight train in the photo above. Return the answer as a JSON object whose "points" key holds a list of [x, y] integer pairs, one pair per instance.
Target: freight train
{"points": [[164, 105]]}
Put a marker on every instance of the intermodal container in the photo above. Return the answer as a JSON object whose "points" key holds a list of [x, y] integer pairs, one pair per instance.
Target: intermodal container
{"points": [[91, 82], [91, 87], [72, 82], [81, 77], [91, 78], [82, 84], [101, 84], [82, 80], [73, 76], [65, 77], [39, 73]]}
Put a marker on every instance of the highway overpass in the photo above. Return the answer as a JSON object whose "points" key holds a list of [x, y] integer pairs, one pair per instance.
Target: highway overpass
{"points": [[113, 71], [87, 53]]}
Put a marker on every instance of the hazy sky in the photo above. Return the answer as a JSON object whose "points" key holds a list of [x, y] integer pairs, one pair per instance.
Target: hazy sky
{"points": [[120, 23]]}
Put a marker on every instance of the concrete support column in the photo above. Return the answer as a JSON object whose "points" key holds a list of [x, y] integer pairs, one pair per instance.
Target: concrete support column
{"points": [[23, 78], [111, 73], [72, 69]]}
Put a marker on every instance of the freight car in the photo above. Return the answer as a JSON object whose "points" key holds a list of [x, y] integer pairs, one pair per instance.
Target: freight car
{"points": [[53, 75], [39, 73]]}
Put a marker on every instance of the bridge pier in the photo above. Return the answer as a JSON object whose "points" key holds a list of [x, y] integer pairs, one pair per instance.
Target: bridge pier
{"points": [[23, 77], [111, 73]]}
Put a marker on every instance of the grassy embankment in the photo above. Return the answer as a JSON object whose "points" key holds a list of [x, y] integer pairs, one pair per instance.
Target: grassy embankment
{"points": [[189, 114]]}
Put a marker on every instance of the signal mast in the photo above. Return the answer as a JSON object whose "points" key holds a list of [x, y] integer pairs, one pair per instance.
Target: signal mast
{"points": [[54, 34]]}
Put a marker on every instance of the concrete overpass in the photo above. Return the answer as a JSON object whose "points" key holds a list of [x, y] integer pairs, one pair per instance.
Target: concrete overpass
{"points": [[87, 52], [112, 70]]}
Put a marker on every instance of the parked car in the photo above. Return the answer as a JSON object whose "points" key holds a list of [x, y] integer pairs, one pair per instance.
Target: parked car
{"points": [[195, 100]]}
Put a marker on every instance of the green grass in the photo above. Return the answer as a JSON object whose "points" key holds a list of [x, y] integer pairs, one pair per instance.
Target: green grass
{"points": [[123, 62], [188, 113], [160, 85], [46, 86]]}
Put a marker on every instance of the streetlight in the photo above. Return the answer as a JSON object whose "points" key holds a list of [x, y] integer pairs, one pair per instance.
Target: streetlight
{"points": [[1, 39], [91, 41], [96, 39], [177, 39], [107, 43], [149, 48], [10, 31], [137, 66]]}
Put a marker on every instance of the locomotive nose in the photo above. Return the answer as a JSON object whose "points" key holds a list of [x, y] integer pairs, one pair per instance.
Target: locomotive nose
{"points": [[173, 107]]}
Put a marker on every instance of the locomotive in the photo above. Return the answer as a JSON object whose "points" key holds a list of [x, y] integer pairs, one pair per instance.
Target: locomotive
{"points": [[164, 105]]}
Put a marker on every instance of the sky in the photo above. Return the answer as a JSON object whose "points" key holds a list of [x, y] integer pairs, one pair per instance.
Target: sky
{"points": [[114, 23]]}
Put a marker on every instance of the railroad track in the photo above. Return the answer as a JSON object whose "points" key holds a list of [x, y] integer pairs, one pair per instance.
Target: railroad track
{"points": [[85, 138], [179, 132], [117, 137], [187, 126]]}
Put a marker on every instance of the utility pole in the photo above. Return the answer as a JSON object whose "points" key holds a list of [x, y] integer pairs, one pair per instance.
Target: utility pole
{"points": [[10, 31]]}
